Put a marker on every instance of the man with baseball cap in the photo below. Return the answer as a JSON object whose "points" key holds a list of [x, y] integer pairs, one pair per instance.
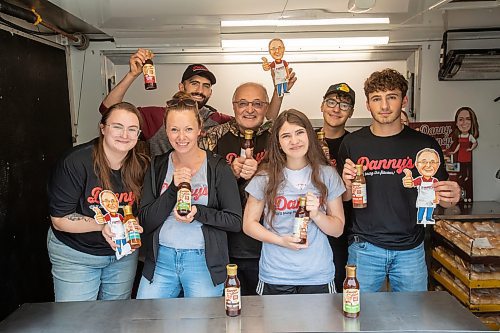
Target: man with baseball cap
{"points": [[337, 107], [197, 80]]}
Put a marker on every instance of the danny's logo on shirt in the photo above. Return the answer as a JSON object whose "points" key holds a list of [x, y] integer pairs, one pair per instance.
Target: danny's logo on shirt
{"points": [[127, 197], [389, 165], [231, 156], [281, 203]]}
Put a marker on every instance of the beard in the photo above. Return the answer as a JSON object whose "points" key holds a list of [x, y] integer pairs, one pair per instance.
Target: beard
{"points": [[203, 102]]}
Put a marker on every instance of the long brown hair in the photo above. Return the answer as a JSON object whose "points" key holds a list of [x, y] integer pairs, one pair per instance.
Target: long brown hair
{"points": [[275, 161], [474, 126], [134, 164]]}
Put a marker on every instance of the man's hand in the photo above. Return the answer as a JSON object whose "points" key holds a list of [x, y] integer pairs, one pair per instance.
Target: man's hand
{"points": [[348, 173], [265, 64], [447, 192], [291, 79], [249, 165], [237, 166], [137, 60], [408, 179]]}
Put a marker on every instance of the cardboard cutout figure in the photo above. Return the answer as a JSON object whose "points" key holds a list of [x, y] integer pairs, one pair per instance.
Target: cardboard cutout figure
{"points": [[427, 163], [279, 67], [465, 134], [109, 202]]}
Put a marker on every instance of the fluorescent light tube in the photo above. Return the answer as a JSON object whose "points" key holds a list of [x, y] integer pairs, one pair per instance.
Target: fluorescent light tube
{"points": [[292, 44], [290, 23]]}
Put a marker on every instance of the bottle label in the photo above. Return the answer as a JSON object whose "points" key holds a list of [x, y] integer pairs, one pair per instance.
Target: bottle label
{"points": [[350, 298], [184, 199], [242, 152], [300, 227], [132, 232], [359, 194], [233, 298], [149, 73]]}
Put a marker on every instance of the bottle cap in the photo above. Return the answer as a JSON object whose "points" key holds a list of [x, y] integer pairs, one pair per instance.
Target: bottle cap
{"points": [[232, 269], [248, 134], [350, 270], [302, 201], [321, 135], [359, 168], [127, 209]]}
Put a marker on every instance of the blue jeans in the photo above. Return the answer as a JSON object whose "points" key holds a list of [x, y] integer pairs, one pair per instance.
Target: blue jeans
{"points": [[79, 276], [428, 217], [406, 270], [178, 269]]}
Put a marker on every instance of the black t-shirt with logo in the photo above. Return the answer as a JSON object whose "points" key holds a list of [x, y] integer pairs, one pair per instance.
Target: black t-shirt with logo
{"points": [[390, 220], [74, 188], [333, 147]]}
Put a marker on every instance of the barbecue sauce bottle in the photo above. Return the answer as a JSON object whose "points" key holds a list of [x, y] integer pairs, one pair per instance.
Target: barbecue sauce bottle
{"points": [[131, 228], [323, 144], [359, 198], [350, 295], [300, 222], [247, 143], [232, 291], [148, 69], [183, 205]]}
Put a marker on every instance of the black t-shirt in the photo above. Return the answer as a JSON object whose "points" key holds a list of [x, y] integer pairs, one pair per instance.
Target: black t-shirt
{"points": [[390, 219], [229, 147], [333, 147], [74, 188]]}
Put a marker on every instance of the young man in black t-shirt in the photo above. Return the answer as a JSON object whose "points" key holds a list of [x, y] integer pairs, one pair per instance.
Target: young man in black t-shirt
{"points": [[385, 240], [337, 107]]}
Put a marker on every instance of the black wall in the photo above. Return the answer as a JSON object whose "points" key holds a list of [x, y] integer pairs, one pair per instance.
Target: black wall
{"points": [[35, 128]]}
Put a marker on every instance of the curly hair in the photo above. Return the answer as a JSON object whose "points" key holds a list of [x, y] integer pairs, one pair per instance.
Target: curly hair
{"points": [[387, 79]]}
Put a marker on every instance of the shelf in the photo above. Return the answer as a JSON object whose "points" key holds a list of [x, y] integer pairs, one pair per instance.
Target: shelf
{"points": [[469, 283], [463, 297], [441, 240]]}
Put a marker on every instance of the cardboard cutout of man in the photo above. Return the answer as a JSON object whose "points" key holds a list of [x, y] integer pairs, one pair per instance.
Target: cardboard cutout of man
{"points": [[279, 67], [427, 163]]}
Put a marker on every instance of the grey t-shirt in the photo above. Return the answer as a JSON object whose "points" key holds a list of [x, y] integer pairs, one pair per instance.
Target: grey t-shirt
{"points": [[180, 235], [310, 266]]}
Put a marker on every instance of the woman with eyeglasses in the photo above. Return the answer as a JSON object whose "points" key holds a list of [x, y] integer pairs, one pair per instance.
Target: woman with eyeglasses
{"points": [[294, 167], [189, 252], [89, 187]]}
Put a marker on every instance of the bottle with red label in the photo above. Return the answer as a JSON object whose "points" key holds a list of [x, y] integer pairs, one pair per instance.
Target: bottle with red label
{"points": [[232, 291], [247, 143], [359, 197], [148, 69], [350, 293]]}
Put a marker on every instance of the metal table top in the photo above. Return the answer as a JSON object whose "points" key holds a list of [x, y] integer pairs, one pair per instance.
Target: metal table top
{"points": [[408, 312]]}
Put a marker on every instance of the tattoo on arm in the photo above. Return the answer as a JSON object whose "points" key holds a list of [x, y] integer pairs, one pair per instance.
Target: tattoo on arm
{"points": [[78, 217]]}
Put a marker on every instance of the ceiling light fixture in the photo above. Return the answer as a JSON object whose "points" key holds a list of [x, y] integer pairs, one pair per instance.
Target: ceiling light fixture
{"points": [[290, 23], [301, 44]]}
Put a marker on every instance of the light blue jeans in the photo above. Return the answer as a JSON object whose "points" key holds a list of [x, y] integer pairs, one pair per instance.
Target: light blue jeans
{"points": [[79, 276], [406, 270], [176, 269]]}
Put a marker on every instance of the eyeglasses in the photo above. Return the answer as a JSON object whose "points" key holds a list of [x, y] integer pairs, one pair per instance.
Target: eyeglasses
{"points": [[425, 162], [331, 103], [118, 129], [276, 48], [181, 101], [257, 104]]}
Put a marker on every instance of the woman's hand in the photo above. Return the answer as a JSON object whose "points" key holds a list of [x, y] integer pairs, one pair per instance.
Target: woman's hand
{"points": [[292, 243], [188, 218], [108, 236], [312, 205], [182, 175]]}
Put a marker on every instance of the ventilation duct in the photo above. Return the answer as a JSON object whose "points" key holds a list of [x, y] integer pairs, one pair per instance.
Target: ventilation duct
{"points": [[464, 64]]}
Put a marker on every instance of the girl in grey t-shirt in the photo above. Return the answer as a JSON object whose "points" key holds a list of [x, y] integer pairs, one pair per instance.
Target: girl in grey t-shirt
{"points": [[295, 166]]}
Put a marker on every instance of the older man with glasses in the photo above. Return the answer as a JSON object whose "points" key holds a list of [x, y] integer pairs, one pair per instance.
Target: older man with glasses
{"points": [[250, 104]]}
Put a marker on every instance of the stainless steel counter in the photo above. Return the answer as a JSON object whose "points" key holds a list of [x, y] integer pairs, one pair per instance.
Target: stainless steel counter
{"points": [[425, 311]]}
